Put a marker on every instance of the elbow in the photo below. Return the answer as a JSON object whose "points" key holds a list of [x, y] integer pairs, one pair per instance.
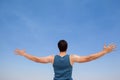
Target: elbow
{"points": [[87, 59], [90, 58], [35, 60]]}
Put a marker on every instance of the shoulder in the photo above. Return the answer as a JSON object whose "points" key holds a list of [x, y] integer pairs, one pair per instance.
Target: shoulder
{"points": [[51, 57], [74, 56]]}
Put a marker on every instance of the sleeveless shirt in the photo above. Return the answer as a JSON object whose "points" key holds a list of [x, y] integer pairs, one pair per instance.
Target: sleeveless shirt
{"points": [[62, 68]]}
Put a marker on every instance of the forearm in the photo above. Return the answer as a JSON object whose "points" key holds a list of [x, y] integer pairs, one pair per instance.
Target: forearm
{"points": [[97, 55], [31, 57], [47, 59]]}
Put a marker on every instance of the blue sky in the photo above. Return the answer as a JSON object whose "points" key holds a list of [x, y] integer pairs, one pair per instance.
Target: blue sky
{"points": [[37, 26]]}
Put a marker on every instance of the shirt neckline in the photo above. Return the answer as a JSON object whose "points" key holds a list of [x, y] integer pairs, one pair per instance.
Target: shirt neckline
{"points": [[62, 56]]}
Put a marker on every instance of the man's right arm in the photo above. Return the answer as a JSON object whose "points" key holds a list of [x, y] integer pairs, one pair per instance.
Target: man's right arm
{"points": [[82, 59], [47, 59]]}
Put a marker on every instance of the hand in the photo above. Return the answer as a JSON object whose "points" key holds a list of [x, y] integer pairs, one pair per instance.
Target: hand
{"points": [[20, 52], [109, 48]]}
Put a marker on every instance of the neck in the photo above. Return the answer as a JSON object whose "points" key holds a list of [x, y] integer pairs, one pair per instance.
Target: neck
{"points": [[62, 53]]}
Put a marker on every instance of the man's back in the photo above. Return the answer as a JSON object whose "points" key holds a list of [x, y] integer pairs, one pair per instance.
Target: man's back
{"points": [[62, 68]]}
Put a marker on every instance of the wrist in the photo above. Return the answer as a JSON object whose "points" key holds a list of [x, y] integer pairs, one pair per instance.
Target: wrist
{"points": [[105, 51], [24, 54]]}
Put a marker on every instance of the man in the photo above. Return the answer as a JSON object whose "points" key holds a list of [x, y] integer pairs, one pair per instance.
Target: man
{"points": [[62, 63]]}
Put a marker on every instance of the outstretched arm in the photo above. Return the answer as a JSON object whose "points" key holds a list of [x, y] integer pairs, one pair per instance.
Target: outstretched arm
{"points": [[81, 59], [47, 59]]}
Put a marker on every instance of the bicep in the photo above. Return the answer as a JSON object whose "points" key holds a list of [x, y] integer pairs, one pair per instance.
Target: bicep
{"points": [[47, 59], [80, 59]]}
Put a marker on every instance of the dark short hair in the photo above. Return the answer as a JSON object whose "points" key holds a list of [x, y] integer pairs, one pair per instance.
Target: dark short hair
{"points": [[62, 45]]}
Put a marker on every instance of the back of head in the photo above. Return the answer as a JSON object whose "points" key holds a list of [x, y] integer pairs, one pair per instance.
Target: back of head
{"points": [[62, 45]]}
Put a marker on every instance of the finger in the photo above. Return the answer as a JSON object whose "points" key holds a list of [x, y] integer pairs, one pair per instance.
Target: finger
{"points": [[105, 46], [113, 46], [16, 51]]}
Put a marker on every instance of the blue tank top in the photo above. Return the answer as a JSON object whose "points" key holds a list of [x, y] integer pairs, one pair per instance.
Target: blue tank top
{"points": [[62, 68]]}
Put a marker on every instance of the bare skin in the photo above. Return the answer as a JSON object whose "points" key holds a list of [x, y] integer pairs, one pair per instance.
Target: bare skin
{"points": [[73, 58]]}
